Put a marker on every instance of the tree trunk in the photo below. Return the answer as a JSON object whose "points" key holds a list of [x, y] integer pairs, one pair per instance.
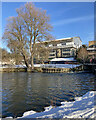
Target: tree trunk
{"points": [[83, 65], [25, 61], [32, 62]]}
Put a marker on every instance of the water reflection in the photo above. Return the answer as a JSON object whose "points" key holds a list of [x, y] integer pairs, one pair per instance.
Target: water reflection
{"points": [[33, 91]]}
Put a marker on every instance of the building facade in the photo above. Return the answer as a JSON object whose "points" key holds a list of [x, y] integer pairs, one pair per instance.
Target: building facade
{"points": [[92, 49], [63, 48], [66, 47], [92, 43]]}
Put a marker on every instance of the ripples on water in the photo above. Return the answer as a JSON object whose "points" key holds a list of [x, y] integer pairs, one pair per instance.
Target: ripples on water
{"points": [[24, 91]]}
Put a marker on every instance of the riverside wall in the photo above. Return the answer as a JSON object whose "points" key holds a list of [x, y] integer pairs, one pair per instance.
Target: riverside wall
{"points": [[61, 70], [40, 69], [9, 69]]}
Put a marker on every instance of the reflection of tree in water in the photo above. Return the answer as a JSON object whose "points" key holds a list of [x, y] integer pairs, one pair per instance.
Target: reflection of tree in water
{"points": [[33, 91]]}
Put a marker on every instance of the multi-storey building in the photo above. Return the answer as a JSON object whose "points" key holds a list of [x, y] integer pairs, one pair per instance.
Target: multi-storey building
{"points": [[92, 49], [62, 48], [92, 43]]}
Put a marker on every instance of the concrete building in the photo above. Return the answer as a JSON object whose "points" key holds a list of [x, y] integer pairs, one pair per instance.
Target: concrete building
{"points": [[92, 43], [63, 48], [92, 49]]}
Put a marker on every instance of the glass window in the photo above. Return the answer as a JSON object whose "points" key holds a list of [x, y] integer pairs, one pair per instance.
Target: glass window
{"points": [[52, 54], [66, 49], [66, 53]]}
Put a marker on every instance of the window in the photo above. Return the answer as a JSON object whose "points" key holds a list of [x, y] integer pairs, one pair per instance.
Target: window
{"points": [[66, 53], [52, 51], [66, 49], [58, 44], [52, 54], [50, 45], [63, 43], [54, 44]]}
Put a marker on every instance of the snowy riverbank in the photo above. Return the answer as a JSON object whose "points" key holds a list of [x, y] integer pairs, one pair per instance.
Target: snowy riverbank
{"points": [[56, 65], [43, 66], [82, 107]]}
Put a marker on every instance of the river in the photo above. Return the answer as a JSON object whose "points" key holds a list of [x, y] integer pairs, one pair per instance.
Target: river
{"points": [[22, 91]]}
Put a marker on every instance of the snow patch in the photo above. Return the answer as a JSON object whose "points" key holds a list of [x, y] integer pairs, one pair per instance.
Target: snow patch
{"points": [[29, 112], [56, 65], [82, 107], [48, 108], [63, 59]]}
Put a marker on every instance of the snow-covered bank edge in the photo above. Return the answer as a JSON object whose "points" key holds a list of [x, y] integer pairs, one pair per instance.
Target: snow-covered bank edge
{"points": [[43, 66], [57, 65], [82, 107]]}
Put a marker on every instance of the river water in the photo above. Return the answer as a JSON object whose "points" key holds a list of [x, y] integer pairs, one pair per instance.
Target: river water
{"points": [[22, 91]]}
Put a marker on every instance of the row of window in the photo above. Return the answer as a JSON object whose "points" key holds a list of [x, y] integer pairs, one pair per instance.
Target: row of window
{"points": [[62, 54], [66, 53], [62, 50], [91, 50]]}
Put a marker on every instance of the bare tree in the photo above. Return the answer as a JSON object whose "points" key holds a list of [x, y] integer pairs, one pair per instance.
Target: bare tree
{"points": [[83, 54], [22, 32], [5, 55], [42, 53]]}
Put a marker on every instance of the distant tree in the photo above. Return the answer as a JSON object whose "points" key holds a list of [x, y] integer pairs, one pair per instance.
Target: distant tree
{"points": [[82, 53], [17, 57], [9, 56], [5, 55], [22, 32]]}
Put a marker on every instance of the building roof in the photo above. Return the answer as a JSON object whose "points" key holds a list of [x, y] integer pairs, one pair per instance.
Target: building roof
{"points": [[69, 38]]}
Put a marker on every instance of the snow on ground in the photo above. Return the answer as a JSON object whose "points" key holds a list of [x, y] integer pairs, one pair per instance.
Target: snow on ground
{"points": [[20, 66], [82, 107], [56, 65], [13, 66], [63, 59], [43, 66]]}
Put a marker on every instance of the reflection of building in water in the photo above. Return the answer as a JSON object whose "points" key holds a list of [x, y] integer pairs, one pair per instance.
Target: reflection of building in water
{"points": [[62, 48], [92, 49]]}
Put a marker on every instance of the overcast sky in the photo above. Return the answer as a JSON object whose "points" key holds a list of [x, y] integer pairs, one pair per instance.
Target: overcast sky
{"points": [[69, 19]]}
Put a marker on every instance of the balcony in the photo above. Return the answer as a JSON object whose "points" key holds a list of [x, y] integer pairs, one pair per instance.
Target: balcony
{"points": [[62, 46], [91, 49]]}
